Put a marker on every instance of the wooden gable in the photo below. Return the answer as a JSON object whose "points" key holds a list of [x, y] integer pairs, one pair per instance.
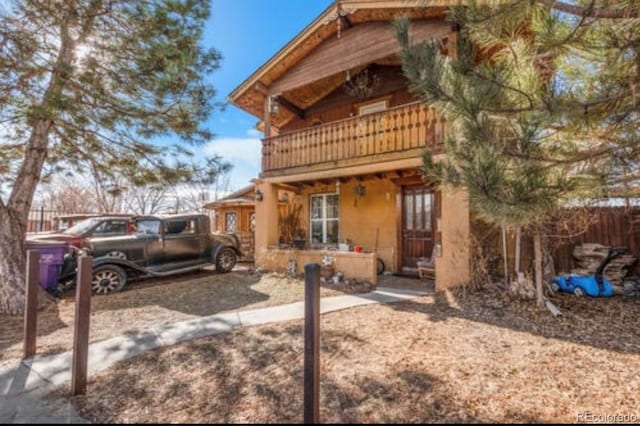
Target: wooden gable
{"points": [[357, 46], [291, 73]]}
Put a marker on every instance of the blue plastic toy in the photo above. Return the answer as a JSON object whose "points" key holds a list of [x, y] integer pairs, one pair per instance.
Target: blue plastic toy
{"points": [[592, 285]]}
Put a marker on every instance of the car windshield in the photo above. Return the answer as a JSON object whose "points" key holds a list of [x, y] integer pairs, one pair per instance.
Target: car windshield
{"points": [[82, 227]]}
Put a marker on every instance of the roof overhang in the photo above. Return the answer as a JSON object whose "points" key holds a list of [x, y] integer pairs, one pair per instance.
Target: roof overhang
{"points": [[338, 18]]}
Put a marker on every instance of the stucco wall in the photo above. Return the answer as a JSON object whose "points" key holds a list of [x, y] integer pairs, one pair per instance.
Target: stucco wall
{"points": [[453, 267], [361, 266], [365, 220]]}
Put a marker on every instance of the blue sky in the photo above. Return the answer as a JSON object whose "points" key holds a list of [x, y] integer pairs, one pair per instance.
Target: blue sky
{"points": [[248, 33]]}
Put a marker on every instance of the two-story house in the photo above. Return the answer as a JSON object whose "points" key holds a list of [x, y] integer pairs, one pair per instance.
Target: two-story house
{"points": [[344, 133]]}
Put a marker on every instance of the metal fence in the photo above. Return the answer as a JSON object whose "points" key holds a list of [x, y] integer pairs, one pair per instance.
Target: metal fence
{"points": [[43, 220]]}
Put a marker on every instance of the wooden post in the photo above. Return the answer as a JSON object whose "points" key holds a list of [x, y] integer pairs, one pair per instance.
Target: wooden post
{"points": [[312, 343], [267, 116], [81, 326], [31, 303]]}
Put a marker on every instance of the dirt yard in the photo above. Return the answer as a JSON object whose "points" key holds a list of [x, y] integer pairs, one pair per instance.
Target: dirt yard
{"points": [[152, 302], [441, 358]]}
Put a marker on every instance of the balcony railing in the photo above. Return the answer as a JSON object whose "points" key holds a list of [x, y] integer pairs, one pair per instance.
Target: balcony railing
{"points": [[398, 129]]}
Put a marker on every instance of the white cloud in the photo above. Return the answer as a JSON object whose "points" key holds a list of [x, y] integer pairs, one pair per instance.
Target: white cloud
{"points": [[246, 151]]}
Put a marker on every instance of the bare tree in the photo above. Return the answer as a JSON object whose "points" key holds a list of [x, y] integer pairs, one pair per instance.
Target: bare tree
{"points": [[150, 199], [66, 195]]}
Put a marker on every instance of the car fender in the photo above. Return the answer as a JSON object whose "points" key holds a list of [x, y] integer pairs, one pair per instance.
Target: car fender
{"points": [[123, 263], [218, 249]]}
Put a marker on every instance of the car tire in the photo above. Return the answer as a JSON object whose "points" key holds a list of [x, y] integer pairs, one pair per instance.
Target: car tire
{"points": [[226, 260], [108, 279]]}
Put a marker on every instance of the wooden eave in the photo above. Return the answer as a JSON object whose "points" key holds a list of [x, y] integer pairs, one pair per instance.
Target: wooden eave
{"points": [[250, 95]]}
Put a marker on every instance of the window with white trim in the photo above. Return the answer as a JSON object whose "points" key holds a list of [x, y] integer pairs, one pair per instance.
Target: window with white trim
{"points": [[324, 218], [231, 222], [372, 107]]}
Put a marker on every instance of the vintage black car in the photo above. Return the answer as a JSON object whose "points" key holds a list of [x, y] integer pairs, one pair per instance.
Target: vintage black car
{"points": [[158, 246]]}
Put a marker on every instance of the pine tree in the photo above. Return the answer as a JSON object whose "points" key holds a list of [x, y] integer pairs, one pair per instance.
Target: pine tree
{"points": [[88, 84], [540, 97]]}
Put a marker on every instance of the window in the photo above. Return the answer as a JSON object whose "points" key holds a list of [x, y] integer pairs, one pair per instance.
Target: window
{"points": [[148, 226], [371, 107], [231, 222], [180, 227], [111, 227], [324, 219], [252, 222]]}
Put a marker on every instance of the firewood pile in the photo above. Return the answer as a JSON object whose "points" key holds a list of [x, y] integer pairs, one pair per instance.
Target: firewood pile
{"points": [[589, 256]]}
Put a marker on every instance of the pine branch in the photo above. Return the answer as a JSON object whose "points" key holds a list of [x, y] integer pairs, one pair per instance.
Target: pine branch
{"points": [[592, 11]]}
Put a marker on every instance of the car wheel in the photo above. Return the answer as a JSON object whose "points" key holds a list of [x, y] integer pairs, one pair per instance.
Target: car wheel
{"points": [[578, 292], [226, 260], [108, 279]]}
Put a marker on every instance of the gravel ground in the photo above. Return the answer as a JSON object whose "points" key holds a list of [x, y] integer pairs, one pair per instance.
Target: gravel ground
{"points": [[444, 358]]}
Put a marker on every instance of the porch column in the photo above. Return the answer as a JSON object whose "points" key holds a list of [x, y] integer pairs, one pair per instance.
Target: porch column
{"points": [[453, 267], [266, 233]]}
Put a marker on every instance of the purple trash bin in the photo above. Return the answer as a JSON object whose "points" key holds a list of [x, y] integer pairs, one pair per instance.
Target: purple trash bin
{"points": [[51, 260]]}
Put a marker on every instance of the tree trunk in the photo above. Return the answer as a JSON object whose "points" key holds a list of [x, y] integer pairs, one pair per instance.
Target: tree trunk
{"points": [[12, 263], [537, 248], [516, 262], [15, 214], [505, 257]]}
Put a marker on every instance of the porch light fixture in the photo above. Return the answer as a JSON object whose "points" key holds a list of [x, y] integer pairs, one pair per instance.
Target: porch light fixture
{"points": [[258, 195], [337, 186], [274, 107], [362, 85], [359, 191]]}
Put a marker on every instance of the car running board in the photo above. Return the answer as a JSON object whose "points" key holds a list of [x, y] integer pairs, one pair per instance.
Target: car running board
{"points": [[177, 271]]}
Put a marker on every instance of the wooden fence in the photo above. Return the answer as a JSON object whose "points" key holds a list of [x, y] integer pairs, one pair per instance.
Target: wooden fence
{"points": [[610, 226], [613, 226]]}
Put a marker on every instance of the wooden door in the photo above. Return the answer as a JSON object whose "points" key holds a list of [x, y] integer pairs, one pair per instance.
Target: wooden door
{"points": [[418, 222]]}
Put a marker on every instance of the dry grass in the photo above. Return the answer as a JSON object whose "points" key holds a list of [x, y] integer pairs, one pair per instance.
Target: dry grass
{"points": [[442, 358], [147, 303]]}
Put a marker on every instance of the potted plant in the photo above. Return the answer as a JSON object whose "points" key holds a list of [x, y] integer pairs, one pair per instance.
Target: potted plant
{"points": [[289, 222], [299, 240], [344, 245]]}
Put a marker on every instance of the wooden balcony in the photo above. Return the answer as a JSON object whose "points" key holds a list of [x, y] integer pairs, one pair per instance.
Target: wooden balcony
{"points": [[370, 138]]}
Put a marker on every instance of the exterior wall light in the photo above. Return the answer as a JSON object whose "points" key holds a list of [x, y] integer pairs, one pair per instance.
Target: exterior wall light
{"points": [[258, 195]]}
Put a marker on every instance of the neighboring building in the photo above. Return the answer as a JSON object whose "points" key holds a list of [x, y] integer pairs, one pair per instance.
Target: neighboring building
{"points": [[342, 129], [235, 214]]}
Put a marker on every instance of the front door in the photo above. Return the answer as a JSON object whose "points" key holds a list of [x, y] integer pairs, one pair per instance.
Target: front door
{"points": [[418, 220]]}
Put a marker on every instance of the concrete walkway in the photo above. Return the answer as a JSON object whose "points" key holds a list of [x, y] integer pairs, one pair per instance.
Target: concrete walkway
{"points": [[23, 387]]}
